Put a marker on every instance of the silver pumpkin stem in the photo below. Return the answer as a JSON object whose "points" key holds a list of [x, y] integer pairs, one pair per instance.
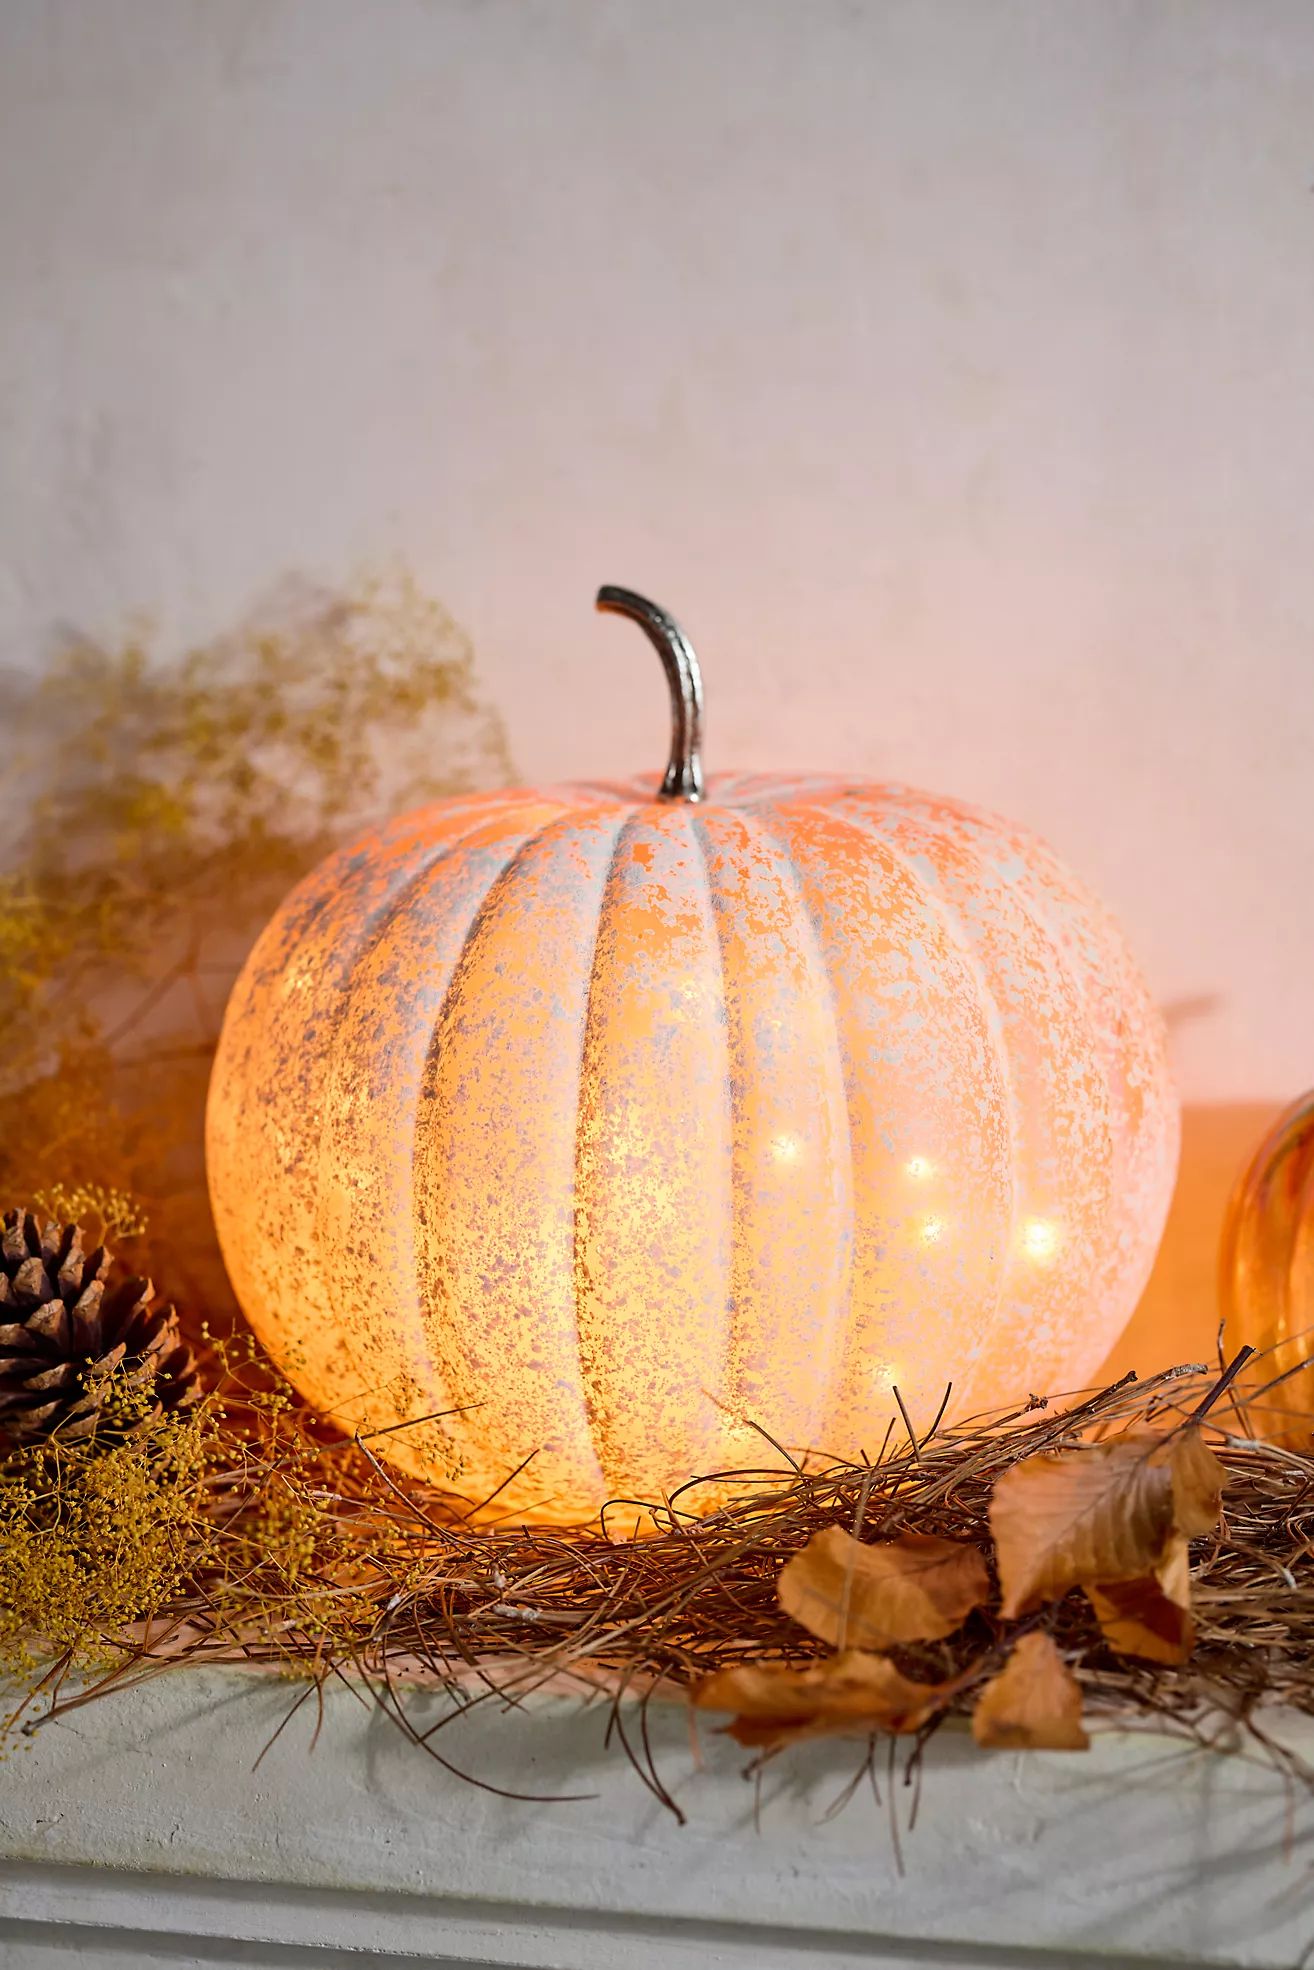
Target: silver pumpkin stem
{"points": [[684, 772]]}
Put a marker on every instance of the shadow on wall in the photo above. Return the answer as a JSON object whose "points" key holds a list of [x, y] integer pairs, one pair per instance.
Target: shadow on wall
{"points": [[156, 810]]}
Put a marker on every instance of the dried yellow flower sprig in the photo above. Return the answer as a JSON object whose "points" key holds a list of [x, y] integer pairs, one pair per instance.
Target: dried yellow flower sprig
{"points": [[94, 1539], [155, 810], [104, 1214]]}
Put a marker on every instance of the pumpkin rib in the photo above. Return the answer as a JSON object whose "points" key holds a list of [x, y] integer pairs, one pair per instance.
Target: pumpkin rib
{"points": [[419, 1359], [1032, 905], [657, 1280], [737, 1399], [328, 890], [482, 924], [611, 1470], [825, 1400], [1102, 930], [956, 934], [970, 843], [906, 995], [441, 1376], [1128, 1147], [655, 1383], [1033, 911], [729, 1371]]}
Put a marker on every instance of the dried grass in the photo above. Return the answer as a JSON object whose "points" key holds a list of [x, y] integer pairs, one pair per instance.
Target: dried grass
{"points": [[316, 1559]]}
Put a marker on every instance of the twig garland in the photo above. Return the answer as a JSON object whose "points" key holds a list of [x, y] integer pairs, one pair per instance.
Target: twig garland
{"points": [[314, 1558]]}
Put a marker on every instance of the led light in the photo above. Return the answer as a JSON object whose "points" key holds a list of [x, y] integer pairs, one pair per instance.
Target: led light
{"points": [[1040, 1239]]}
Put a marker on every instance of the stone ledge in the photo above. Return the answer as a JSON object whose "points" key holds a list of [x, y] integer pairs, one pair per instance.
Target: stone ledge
{"points": [[140, 1830]]}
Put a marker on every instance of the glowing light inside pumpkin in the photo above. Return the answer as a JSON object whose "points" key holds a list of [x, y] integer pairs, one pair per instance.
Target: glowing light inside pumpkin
{"points": [[885, 1377], [1040, 1240], [609, 1123]]}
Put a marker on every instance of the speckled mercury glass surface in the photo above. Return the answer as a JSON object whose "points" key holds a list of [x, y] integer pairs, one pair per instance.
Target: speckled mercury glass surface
{"points": [[628, 1121]]}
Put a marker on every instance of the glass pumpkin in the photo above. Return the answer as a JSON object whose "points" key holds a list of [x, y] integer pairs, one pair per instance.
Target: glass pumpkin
{"points": [[1266, 1276], [578, 1130]]}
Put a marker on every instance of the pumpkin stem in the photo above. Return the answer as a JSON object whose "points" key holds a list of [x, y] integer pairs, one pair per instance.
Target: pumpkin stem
{"points": [[684, 771]]}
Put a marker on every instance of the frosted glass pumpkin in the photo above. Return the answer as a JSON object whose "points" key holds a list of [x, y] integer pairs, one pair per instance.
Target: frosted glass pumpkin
{"points": [[585, 1125]]}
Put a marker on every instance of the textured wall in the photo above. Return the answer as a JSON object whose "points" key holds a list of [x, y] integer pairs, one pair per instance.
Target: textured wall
{"points": [[946, 364]]}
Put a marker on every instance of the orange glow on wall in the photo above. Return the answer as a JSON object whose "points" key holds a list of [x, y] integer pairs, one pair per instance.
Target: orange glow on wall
{"points": [[629, 1118]]}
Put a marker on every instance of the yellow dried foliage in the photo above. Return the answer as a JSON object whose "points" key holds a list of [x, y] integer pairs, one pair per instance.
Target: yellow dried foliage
{"points": [[155, 810], [217, 1514], [105, 1215], [93, 1539]]}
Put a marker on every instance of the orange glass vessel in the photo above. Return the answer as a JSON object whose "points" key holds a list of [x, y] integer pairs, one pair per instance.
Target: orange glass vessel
{"points": [[591, 1125], [1266, 1277]]}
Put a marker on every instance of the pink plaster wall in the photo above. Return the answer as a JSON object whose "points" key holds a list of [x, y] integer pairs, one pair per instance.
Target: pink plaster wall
{"points": [[947, 365]]}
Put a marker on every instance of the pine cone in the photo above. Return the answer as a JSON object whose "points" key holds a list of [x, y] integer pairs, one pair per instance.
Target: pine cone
{"points": [[79, 1356]]}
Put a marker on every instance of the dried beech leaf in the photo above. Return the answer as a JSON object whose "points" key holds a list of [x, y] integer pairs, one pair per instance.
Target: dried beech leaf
{"points": [[1103, 1513], [1150, 1617], [912, 1589], [1033, 1704], [1198, 1480], [850, 1695]]}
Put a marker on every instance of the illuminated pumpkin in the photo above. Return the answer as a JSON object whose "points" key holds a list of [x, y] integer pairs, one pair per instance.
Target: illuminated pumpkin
{"points": [[618, 1118], [1266, 1277]]}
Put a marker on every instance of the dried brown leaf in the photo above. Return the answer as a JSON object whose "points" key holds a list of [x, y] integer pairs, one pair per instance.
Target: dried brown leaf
{"points": [[1198, 1480], [850, 1695], [1150, 1617], [1100, 1514], [1033, 1704], [915, 1588]]}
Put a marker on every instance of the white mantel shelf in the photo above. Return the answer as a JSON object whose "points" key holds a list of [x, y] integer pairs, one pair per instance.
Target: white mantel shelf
{"points": [[136, 1832]]}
